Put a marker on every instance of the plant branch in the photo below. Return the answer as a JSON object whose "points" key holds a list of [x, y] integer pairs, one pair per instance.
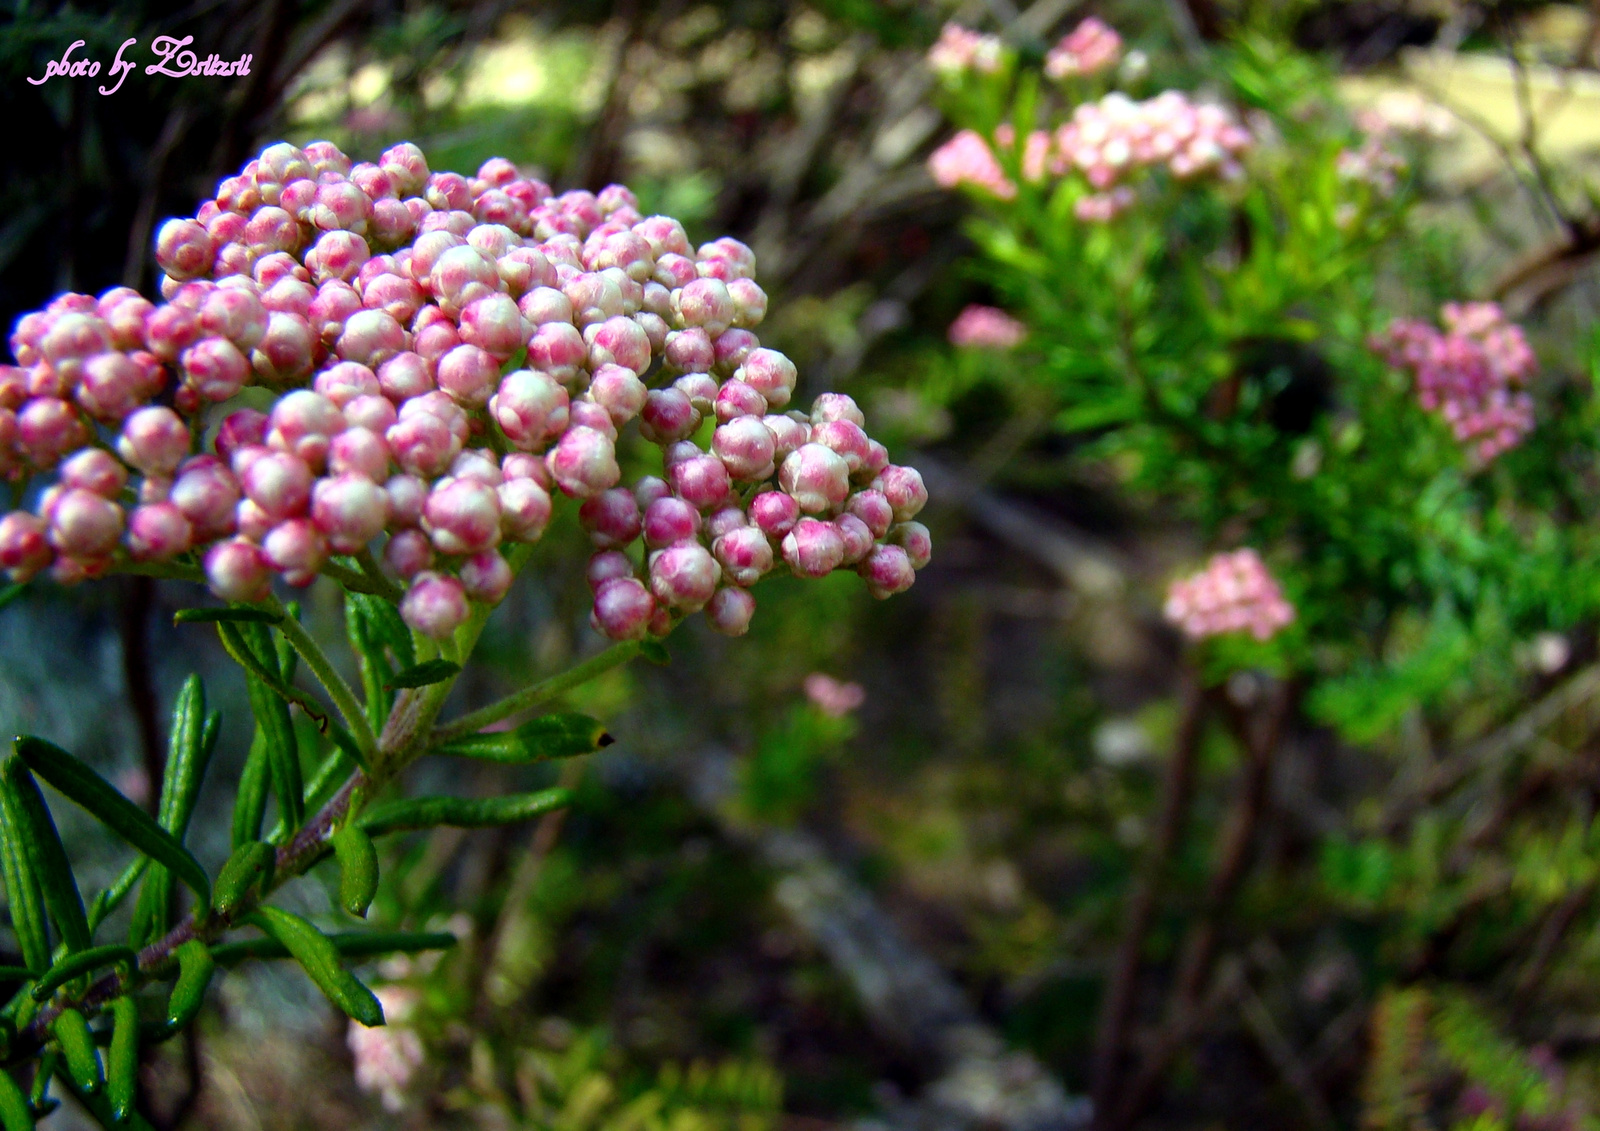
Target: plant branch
{"points": [[338, 690], [363, 581], [540, 692]]}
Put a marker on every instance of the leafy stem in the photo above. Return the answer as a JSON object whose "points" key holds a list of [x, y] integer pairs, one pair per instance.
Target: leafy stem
{"points": [[338, 690]]}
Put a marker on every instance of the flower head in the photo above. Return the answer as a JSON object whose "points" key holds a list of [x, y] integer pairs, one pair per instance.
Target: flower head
{"points": [[1089, 48], [986, 327], [960, 50], [1234, 593], [834, 697]]}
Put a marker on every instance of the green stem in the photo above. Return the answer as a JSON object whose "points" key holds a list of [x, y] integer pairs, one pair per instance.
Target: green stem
{"points": [[169, 571], [338, 690], [388, 590], [359, 582], [613, 656]]}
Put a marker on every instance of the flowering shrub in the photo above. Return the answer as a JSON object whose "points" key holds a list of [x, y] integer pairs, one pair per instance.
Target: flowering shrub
{"points": [[389, 377], [1234, 593]]}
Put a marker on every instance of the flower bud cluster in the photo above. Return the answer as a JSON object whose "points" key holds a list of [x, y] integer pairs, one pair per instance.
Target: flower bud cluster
{"points": [[448, 354], [388, 1056], [1091, 47], [961, 51], [1234, 593], [1472, 373], [986, 327], [1372, 163]]}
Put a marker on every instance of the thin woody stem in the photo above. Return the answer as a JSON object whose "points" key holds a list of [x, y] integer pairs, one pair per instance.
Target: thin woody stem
{"points": [[321, 667], [540, 692]]}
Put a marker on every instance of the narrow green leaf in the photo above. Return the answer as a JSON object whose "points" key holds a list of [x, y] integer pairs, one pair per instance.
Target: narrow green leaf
{"points": [[349, 944], [195, 967], [77, 1049], [46, 856], [98, 1105], [549, 736], [375, 669], [319, 958], [425, 673], [459, 812], [654, 651], [269, 673], [225, 616], [22, 884], [250, 806], [282, 748], [104, 904], [358, 869], [15, 974], [248, 870], [122, 1063], [187, 756], [39, 1094], [12, 592], [385, 628], [15, 1114], [76, 965], [99, 798]]}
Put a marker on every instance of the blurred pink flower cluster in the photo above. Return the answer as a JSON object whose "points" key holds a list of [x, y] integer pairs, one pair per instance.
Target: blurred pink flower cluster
{"points": [[833, 697], [472, 347], [960, 50], [1234, 593], [1473, 373], [966, 159], [1088, 49], [1372, 163], [986, 327], [387, 1056]]}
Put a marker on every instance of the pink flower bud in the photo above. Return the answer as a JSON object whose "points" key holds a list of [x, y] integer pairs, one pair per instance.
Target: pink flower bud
{"points": [[405, 163], [915, 540], [887, 571], [663, 234], [215, 369], [856, 536], [435, 605], [96, 470], [607, 565], [341, 205], [729, 611], [207, 494], [903, 487], [668, 521], [337, 255], [403, 376], [170, 330], [749, 302], [524, 509], [674, 271], [279, 483], [462, 516], [371, 337], [558, 349], [304, 423], [619, 391], [423, 444], [705, 303], [111, 386], [83, 524], [771, 374], [701, 481], [845, 438], [667, 416], [701, 389], [350, 509], [376, 414], [238, 571], [612, 518], [813, 548], [735, 399], [280, 267], [684, 576], [406, 495], [837, 406], [286, 351], [494, 325], [47, 429], [461, 276], [690, 351], [344, 382], [486, 577], [622, 609], [158, 532], [732, 348], [724, 520], [595, 297], [239, 429], [298, 197], [817, 477], [875, 464], [408, 553], [774, 513], [392, 223], [24, 546], [618, 341], [545, 304], [524, 270], [745, 447], [296, 549], [235, 314], [584, 463], [788, 434], [372, 180], [529, 407], [183, 249], [872, 508], [745, 555], [448, 192]]}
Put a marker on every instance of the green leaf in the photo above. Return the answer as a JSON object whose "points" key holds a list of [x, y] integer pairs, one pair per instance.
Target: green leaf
{"points": [[250, 806], [375, 668], [190, 744], [654, 651], [46, 856], [459, 812], [195, 967], [15, 973], [548, 736], [76, 965], [11, 593], [384, 627], [225, 616], [350, 944], [22, 884], [77, 1049], [270, 673], [15, 1114], [282, 748], [122, 1068], [319, 958], [358, 869], [104, 904], [94, 794], [423, 674], [248, 870]]}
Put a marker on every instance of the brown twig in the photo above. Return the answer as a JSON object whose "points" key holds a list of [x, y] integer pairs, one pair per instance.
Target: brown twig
{"points": [[1116, 1013]]}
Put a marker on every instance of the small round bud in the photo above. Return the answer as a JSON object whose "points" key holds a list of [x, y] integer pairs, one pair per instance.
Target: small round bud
{"points": [[749, 302], [771, 374], [915, 540], [158, 532], [619, 391], [286, 351], [813, 548], [667, 416], [240, 429], [422, 444], [623, 608], [468, 374], [856, 536], [606, 565], [887, 571], [495, 325], [788, 434], [837, 406], [435, 605], [729, 611], [237, 571], [732, 347], [405, 495], [524, 509], [344, 382], [618, 341], [371, 337], [529, 406], [817, 477], [611, 518], [558, 349], [745, 447], [155, 440], [207, 494], [872, 508], [705, 303], [376, 414], [183, 249], [111, 386], [690, 351], [215, 369], [668, 521], [701, 481], [486, 577], [904, 489], [745, 555], [96, 470], [350, 509], [279, 483], [403, 376], [724, 520], [303, 424], [774, 513], [408, 553], [736, 399], [24, 545], [462, 516], [83, 524], [845, 438], [584, 463], [684, 576], [295, 548]]}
